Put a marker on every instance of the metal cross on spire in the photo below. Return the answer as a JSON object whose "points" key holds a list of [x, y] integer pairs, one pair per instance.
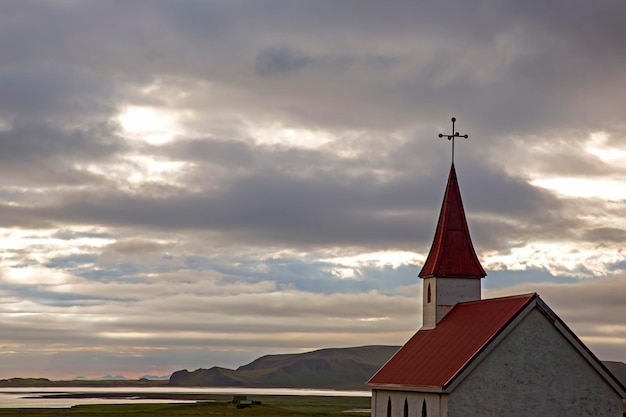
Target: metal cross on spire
{"points": [[452, 136]]}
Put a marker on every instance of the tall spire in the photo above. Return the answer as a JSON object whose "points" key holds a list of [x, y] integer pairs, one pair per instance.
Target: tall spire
{"points": [[452, 253]]}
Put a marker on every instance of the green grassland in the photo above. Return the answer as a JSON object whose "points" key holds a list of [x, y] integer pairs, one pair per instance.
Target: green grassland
{"points": [[220, 406]]}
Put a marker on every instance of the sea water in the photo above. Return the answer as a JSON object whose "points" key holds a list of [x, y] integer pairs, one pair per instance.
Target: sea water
{"points": [[32, 397]]}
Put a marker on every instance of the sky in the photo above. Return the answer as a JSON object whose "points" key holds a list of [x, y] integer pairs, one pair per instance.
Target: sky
{"points": [[187, 184]]}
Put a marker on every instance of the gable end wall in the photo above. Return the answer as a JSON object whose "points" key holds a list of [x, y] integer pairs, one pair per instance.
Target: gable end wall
{"points": [[534, 371], [435, 403]]}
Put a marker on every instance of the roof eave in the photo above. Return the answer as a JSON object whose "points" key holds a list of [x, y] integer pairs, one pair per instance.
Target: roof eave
{"points": [[452, 276], [399, 387]]}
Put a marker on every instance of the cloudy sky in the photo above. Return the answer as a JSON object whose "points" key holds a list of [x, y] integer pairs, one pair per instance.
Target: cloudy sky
{"points": [[186, 184]]}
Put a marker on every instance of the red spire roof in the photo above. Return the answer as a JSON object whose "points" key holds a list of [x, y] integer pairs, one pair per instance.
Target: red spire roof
{"points": [[452, 253], [432, 358]]}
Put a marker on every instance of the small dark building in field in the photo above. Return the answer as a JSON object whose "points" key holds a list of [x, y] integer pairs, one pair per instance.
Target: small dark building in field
{"points": [[241, 401]]}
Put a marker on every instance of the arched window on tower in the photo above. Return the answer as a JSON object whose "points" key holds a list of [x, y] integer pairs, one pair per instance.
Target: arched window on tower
{"points": [[406, 408], [424, 411], [429, 295], [389, 407]]}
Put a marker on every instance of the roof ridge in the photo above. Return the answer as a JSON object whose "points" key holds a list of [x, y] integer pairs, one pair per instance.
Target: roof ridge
{"points": [[505, 297]]}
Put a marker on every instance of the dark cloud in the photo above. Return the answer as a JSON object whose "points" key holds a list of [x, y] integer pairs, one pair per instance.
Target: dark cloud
{"points": [[277, 61], [263, 208], [49, 156], [287, 197], [132, 247], [57, 93], [38, 143], [525, 73], [606, 234]]}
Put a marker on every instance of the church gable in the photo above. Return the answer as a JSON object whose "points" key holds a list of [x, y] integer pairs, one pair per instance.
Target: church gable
{"points": [[433, 358], [534, 370]]}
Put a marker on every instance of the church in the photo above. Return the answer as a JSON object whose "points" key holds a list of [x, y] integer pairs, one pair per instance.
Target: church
{"points": [[509, 356]]}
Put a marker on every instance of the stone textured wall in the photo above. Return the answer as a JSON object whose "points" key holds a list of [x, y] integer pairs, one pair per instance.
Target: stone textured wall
{"points": [[534, 371], [414, 400]]}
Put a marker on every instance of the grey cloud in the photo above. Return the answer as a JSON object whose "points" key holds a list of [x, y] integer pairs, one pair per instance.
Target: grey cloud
{"points": [[62, 92], [212, 317], [45, 155], [468, 27], [592, 309], [255, 197], [277, 61], [383, 101], [69, 234], [38, 143], [581, 304], [269, 206], [135, 246], [13, 216], [133, 253], [606, 234], [234, 154]]}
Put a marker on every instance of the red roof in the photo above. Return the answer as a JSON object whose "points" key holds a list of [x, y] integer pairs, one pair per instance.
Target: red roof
{"points": [[431, 358], [452, 253]]}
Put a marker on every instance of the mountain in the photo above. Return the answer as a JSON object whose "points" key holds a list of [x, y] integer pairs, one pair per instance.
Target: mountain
{"points": [[618, 369], [155, 377], [117, 377], [339, 368]]}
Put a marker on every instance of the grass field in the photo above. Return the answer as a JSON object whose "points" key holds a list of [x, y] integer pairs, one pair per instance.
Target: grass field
{"points": [[271, 406]]}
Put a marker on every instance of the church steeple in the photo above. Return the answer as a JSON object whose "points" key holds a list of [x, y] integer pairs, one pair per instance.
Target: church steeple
{"points": [[452, 253], [452, 271]]}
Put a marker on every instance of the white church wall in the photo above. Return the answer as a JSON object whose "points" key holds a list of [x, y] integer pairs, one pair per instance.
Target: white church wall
{"points": [[429, 306], [534, 371], [415, 401], [445, 293]]}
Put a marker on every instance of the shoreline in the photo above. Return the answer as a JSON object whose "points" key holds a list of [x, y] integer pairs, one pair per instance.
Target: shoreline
{"points": [[134, 396]]}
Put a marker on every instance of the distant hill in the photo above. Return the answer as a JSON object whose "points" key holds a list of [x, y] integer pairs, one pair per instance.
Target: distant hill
{"points": [[82, 382], [340, 368], [618, 369], [155, 377]]}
